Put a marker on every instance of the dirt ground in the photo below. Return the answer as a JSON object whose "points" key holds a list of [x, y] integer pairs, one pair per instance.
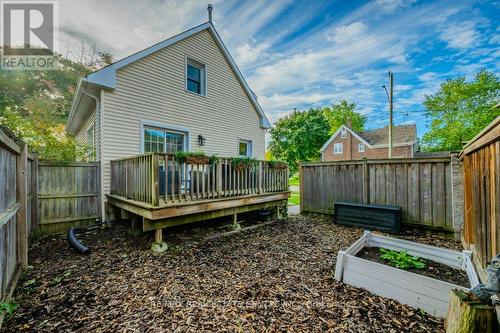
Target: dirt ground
{"points": [[277, 277]]}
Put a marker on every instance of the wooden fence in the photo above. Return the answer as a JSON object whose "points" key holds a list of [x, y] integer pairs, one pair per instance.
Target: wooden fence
{"points": [[481, 167], [14, 213], [38, 195], [68, 194], [421, 186]]}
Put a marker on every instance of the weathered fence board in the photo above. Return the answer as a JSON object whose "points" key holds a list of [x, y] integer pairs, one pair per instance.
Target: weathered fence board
{"points": [[13, 236], [68, 194], [420, 186], [481, 172]]}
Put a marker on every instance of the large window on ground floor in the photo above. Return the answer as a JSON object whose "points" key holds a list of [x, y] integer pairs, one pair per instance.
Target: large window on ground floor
{"points": [[160, 140]]}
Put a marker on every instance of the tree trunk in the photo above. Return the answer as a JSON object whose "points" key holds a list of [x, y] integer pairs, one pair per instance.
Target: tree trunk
{"points": [[466, 315]]}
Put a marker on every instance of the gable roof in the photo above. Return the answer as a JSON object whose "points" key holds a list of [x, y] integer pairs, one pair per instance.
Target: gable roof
{"points": [[402, 135], [106, 77]]}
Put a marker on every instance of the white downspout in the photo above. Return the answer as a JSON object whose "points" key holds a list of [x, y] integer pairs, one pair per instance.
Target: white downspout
{"points": [[99, 151]]}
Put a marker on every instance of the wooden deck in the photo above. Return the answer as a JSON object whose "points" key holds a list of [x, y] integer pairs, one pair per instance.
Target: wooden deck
{"points": [[165, 192]]}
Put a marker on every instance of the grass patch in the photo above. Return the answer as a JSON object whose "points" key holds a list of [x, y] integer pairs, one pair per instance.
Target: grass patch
{"points": [[294, 198], [294, 180]]}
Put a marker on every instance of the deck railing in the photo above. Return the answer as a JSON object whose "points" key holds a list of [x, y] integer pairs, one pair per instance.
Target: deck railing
{"points": [[159, 179]]}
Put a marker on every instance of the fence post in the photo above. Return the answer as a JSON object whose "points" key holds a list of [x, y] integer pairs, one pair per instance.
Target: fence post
{"points": [[457, 195], [34, 201], [22, 198], [366, 183]]}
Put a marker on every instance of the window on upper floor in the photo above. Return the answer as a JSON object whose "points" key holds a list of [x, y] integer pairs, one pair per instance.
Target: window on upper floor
{"points": [[361, 148], [343, 133], [338, 148], [196, 77]]}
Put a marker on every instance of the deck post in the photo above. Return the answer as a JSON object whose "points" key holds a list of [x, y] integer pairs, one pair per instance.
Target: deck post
{"points": [[235, 226], [159, 245], [158, 235], [278, 212]]}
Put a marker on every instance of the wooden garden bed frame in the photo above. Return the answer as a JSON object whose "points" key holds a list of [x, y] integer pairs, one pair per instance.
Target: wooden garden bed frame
{"points": [[418, 291]]}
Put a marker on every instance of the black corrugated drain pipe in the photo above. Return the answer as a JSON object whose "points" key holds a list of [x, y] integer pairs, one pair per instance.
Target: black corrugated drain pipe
{"points": [[75, 243]]}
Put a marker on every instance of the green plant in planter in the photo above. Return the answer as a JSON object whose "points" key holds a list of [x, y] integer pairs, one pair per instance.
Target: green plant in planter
{"points": [[278, 165], [240, 163], [190, 156], [401, 259]]}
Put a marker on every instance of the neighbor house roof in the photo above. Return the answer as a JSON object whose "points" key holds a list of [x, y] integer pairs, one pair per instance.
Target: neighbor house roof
{"points": [[400, 134], [403, 135], [106, 76]]}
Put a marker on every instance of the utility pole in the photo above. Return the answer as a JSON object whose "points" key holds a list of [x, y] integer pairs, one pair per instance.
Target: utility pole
{"points": [[391, 91]]}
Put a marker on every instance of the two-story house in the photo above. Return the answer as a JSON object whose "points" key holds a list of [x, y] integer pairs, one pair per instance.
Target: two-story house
{"points": [[184, 93], [345, 144]]}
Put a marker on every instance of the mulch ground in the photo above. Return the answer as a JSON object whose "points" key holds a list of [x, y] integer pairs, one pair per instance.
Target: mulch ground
{"points": [[278, 277]]}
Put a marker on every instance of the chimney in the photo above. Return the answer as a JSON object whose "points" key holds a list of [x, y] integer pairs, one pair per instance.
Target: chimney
{"points": [[209, 8], [348, 122]]}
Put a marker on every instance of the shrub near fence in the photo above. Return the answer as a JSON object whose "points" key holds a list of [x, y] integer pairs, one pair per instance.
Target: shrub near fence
{"points": [[422, 187]]}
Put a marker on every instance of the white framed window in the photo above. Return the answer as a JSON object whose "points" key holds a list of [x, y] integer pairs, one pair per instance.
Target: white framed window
{"points": [[196, 78], [162, 140], [338, 148], [245, 148], [90, 143], [361, 148], [343, 133]]}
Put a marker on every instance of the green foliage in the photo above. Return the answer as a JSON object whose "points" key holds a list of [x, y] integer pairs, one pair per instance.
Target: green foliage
{"points": [[294, 198], [182, 156], [8, 308], [34, 105], [460, 110], [299, 137], [243, 162], [401, 259], [276, 164], [338, 115], [294, 180]]}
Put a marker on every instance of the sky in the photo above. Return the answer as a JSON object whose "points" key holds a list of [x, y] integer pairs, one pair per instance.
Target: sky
{"points": [[302, 54]]}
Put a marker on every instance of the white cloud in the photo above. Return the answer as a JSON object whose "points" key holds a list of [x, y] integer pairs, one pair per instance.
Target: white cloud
{"points": [[247, 53], [460, 36], [391, 5], [347, 33]]}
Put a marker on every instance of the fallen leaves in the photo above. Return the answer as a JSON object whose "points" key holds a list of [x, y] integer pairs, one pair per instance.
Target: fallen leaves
{"points": [[277, 277]]}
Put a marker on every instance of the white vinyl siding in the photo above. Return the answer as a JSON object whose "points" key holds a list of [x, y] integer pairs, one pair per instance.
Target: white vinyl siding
{"points": [[338, 148], [153, 89], [81, 136]]}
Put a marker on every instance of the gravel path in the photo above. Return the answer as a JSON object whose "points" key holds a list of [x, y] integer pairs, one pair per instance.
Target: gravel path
{"points": [[277, 277]]}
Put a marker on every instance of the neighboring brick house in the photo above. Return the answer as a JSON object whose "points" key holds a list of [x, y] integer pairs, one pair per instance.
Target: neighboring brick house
{"points": [[346, 144]]}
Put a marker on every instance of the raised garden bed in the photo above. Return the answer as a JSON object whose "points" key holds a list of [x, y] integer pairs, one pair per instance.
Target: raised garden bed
{"points": [[424, 290]]}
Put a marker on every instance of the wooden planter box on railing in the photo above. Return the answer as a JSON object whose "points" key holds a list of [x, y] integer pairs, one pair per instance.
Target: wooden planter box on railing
{"points": [[161, 179]]}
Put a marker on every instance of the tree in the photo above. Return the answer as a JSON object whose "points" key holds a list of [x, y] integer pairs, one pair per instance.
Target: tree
{"points": [[338, 115], [460, 110], [299, 137], [34, 105]]}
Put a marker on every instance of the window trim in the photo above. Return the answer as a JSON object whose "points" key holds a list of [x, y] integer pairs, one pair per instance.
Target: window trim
{"points": [[91, 151], [147, 123], [361, 145], [249, 147], [341, 145], [203, 73], [343, 133]]}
